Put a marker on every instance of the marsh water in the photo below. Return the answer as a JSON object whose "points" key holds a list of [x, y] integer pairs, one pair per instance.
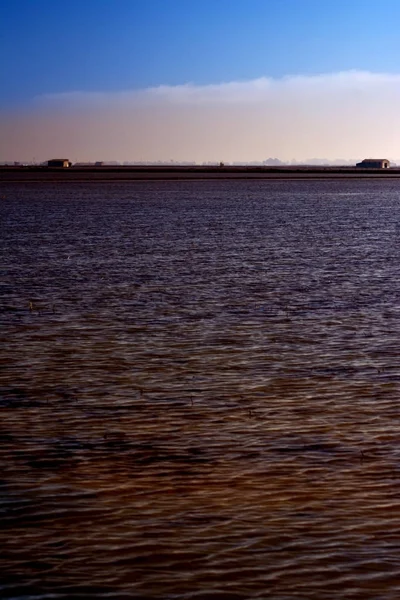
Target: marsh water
{"points": [[199, 390]]}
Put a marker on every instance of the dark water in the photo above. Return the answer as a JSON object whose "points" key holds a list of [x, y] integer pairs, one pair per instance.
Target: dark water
{"points": [[199, 390]]}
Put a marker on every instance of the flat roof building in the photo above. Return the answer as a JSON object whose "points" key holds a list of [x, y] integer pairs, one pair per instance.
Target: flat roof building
{"points": [[59, 162], [374, 163]]}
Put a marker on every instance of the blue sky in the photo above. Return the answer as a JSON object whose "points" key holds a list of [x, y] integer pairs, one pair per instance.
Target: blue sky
{"points": [[113, 46], [110, 45]]}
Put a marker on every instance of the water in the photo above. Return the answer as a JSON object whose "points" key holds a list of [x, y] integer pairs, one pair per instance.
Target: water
{"points": [[199, 390]]}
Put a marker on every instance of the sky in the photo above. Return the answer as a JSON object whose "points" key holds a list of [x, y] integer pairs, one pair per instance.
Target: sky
{"points": [[183, 80]]}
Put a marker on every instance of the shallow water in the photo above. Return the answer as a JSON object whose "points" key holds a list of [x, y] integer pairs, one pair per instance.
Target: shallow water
{"points": [[199, 390]]}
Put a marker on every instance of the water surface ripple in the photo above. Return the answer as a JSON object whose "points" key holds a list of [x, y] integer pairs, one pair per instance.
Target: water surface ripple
{"points": [[199, 390]]}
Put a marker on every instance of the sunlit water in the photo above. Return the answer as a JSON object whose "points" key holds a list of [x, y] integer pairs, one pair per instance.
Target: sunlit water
{"points": [[199, 390]]}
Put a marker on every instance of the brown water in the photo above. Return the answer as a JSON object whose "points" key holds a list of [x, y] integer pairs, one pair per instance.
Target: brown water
{"points": [[199, 390]]}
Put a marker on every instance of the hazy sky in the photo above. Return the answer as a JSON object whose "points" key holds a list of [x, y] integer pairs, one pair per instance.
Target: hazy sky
{"points": [[211, 80]]}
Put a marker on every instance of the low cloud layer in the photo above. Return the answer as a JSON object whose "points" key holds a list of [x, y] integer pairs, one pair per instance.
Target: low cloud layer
{"points": [[343, 115]]}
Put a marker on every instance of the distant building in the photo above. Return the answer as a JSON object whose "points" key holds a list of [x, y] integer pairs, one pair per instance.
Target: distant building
{"points": [[374, 163], [59, 162]]}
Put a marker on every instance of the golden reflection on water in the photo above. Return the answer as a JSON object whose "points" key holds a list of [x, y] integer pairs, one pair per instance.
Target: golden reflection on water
{"points": [[199, 391]]}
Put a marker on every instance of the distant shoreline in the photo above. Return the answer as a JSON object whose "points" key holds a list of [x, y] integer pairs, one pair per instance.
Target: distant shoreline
{"points": [[184, 173]]}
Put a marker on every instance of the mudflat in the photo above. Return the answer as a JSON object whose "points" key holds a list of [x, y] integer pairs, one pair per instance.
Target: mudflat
{"points": [[142, 173]]}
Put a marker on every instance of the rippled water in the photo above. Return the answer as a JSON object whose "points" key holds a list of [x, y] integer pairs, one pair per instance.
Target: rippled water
{"points": [[199, 390]]}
